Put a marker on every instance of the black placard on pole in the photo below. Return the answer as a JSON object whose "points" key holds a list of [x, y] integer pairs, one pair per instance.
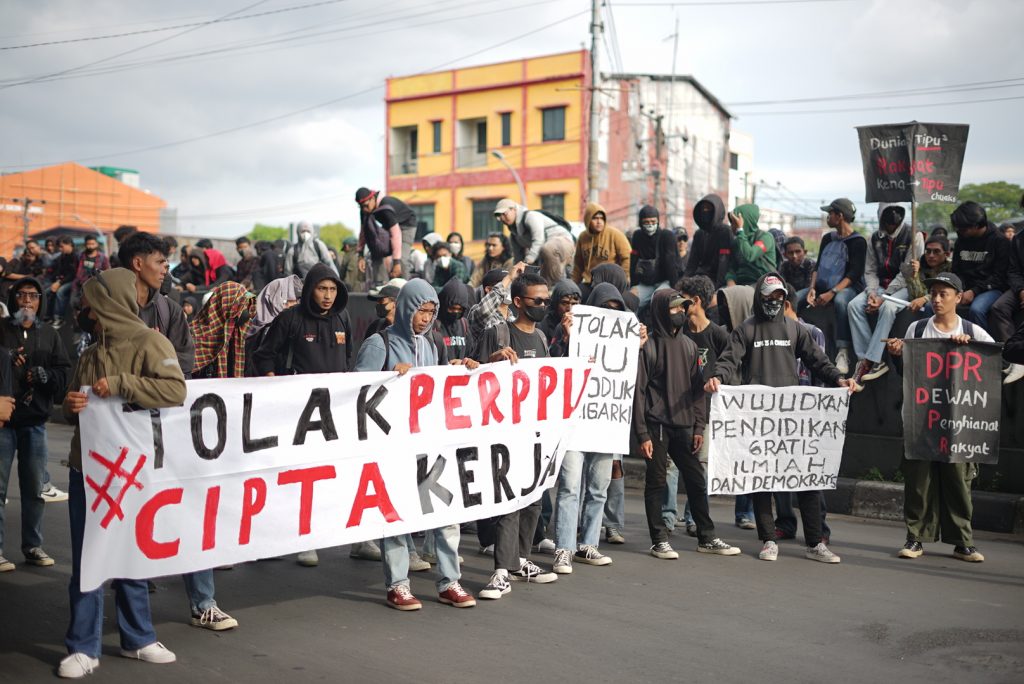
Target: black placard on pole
{"points": [[912, 161]]}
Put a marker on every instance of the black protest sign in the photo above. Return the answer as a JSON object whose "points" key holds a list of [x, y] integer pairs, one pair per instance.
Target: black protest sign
{"points": [[912, 161], [951, 401]]}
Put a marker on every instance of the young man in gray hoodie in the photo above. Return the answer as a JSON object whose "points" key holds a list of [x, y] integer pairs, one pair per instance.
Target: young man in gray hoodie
{"points": [[406, 344]]}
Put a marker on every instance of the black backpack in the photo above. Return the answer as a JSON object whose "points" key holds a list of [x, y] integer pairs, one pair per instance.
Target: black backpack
{"points": [[377, 238], [560, 220]]}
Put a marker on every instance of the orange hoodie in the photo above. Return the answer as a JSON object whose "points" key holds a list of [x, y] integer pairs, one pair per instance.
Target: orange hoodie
{"points": [[593, 249]]}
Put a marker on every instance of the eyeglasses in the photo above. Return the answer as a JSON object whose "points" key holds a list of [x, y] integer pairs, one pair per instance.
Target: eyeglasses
{"points": [[538, 301], [27, 295]]}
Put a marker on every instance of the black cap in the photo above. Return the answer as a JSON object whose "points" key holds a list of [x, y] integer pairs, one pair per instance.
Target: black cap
{"points": [[382, 292], [948, 279], [494, 276], [842, 206], [363, 194]]}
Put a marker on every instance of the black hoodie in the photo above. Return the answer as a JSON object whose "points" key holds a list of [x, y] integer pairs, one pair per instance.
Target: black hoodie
{"points": [[762, 351], [612, 273], [669, 384], [711, 251], [982, 262], [453, 334], [41, 346], [659, 247], [304, 339]]}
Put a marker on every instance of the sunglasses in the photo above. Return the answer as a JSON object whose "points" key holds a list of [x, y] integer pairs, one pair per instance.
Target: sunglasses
{"points": [[539, 301]]}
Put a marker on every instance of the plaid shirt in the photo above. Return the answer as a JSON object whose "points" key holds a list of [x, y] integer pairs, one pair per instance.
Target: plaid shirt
{"points": [[486, 314]]}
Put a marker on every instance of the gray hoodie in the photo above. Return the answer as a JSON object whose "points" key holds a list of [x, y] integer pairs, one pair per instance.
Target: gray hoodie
{"points": [[403, 345]]}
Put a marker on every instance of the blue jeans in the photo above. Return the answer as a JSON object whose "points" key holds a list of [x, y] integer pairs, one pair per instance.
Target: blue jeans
{"points": [[615, 504], [867, 343], [670, 509], [980, 306], [200, 590], [30, 445], [744, 509], [85, 630], [61, 301], [396, 550], [592, 471]]}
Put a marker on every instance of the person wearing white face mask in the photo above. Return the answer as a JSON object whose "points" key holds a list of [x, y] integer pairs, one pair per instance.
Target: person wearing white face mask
{"points": [[443, 267], [653, 263], [458, 249], [309, 251]]}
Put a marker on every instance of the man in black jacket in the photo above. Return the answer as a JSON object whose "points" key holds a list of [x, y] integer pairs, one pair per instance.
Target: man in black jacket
{"points": [[980, 259], [394, 217], [40, 374], [654, 263], [763, 351], [711, 252]]}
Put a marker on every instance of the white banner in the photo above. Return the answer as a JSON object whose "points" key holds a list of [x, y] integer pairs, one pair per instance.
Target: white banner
{"points": [[261, 467], [775, 439], [612, 339]]}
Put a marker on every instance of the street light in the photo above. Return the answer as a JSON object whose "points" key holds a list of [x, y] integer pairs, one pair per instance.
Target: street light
{"points": [[519, 181]]}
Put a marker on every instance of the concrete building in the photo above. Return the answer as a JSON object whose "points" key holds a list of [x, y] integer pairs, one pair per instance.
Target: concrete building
{"points": [[741, 168]]}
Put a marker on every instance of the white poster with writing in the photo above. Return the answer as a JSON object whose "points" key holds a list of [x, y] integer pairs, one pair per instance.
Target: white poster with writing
{"points": [[775, 439], [612, 340], [261, 467]]}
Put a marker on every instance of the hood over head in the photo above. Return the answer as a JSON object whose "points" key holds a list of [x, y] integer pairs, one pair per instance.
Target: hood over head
{"points": [[563, 288], [661, 322], [604, 293], [709, 212], [897, 212], [454, 292], [648, 212], [414, 294], [318, 273], [272, 300], [592, 210], [112, 296], [610, 273], [758, 307], [751, 214], [12, 303]]}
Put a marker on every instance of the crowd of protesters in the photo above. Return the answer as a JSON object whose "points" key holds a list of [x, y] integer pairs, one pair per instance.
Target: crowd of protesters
{"points": [[157, 315]]}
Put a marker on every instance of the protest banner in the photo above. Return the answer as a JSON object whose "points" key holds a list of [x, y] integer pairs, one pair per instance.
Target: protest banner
{"points": [[951, 401], [775, 439], [913, 161], [612, 339], [260, 467]]}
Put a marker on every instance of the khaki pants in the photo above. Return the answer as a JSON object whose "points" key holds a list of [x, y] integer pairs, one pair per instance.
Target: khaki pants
{"points": [[937, 498]]}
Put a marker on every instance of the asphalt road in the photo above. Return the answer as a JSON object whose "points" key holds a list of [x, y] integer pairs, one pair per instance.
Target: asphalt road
{"points": [[737, 619]]}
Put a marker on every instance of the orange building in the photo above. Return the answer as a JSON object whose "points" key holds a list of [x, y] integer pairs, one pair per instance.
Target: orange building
{"points": [[71, 196], [454, 136]]}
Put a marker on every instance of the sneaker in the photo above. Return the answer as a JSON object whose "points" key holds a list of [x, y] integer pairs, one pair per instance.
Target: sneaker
{"points": [[769, 552], [1015, 374], [52, 495], [400, 598], [545, 546], [531, 572], [563, 562], [912, 549], [497, 587], [719, 547], [591, 556], [613, 536], [746, 524], [417, 564], [36, 556], [876, 371], [664, 551], [456, 596], [154, 653], [968, 553], [366, 550], [821, 554], [863, 367], [214, 619], [691, 529], [486, 550], [6, 565], [843, 361], [308, 559], [77, 665]]}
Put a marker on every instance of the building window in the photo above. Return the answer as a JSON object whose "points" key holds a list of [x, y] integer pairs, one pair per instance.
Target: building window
{"points": [[437, 136], [506, 129], [554, 204], [424, 219], [404, 150], [553, 120], [471, 143], [734, 161], [484, 220], [481, 137]]}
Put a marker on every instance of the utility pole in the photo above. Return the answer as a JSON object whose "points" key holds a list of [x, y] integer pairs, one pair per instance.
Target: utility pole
{"points": [[26, 203], [593, 163], [662, 161]]}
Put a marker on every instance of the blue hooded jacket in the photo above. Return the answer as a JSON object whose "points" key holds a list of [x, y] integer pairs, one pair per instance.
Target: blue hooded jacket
{"points": [[403, 345]]}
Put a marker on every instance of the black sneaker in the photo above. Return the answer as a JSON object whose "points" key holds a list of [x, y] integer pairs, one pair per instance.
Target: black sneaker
{"points": [[912, 549], [531, 572], [968, 553]]}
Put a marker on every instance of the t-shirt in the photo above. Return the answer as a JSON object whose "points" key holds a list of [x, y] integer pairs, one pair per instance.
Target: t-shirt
{"points": [[526, 345], [933, 333], [711, 341]]}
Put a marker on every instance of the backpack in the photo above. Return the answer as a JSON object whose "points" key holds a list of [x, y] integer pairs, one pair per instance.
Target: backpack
{"points": [[832, 262], [900, 247], [505, 337], [920, 325], [377, 238], [551, 216]]}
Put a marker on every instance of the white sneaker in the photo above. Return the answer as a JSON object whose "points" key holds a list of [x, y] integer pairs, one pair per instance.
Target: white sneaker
{"points": [[52, 495], [77, 665], [821, 554], [154, 653], [843, 361], [545, 546], [214, 619], [417, 564], [367, 550], [1015, 374], [308, 559], [769, 552], [563, 562]]}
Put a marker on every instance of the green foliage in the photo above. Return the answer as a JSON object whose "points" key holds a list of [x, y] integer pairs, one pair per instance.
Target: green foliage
{"points": [[269, 233], [1001, 200], [333, 234]]}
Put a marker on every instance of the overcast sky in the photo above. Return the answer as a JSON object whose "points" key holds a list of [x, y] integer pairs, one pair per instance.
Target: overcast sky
{"points": [[86, 101]]}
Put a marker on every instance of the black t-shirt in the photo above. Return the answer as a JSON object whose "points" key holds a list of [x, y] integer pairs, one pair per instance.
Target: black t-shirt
{"points": [[711, 342], [526, 345]]}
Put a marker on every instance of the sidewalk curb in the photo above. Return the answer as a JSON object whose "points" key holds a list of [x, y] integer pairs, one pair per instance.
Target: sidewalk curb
{"points": [[993, 511]]}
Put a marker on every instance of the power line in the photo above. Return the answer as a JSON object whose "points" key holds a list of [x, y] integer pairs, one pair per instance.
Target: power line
{"points": [[161, 29], [725, 3], [872, 109], [132, 50], [903, 92]]}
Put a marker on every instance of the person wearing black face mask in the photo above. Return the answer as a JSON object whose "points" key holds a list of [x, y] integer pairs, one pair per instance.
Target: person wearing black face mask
{"points": [[384, 298], [451, 331]]}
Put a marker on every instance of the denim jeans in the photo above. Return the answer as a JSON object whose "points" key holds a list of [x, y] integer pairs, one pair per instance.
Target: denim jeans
{"points": [[980, 306], [61, 301], [85, 629], [396, 550], [615, 505], [200, 590], [867, 343], [592, 471], [744, 508], [30, 445], [670, 508]]}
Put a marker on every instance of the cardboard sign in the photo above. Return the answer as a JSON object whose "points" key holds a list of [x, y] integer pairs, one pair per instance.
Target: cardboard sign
{"points": [[912, 161], [952, 397]]}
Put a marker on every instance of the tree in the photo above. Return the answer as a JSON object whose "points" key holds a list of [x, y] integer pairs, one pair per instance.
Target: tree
{"points": [[1001, 200], [268, 233], [333, 234]]}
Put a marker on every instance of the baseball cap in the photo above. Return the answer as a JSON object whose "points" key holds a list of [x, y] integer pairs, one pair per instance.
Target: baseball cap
{"points": [[388, 289], [948, 279], [503, 206], [677, 300], [363, 194], [842, 206], [494, 276], [771, 283], [431, 239]]}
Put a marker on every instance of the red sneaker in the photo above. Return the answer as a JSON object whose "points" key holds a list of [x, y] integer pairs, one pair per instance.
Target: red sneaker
{"points": [[400, 598], [456, 596]]}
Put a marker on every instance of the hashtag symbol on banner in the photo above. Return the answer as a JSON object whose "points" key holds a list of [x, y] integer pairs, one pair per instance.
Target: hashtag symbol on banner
{"points": [[114, 469]]}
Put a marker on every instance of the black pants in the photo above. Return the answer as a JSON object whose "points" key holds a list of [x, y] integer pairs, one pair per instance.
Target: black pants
{"points": [[514, 536], [810, 516], [1001, 316], [677, 444], [485, 531]]}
